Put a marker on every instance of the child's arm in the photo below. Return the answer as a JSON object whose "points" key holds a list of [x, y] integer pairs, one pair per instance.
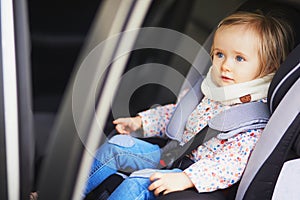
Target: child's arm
{"points": [[153, 121], [169, 182], [156, 119]]}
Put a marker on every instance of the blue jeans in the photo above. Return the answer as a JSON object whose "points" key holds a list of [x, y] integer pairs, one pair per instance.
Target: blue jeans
{"points": [[121, 152], [136, 186]]}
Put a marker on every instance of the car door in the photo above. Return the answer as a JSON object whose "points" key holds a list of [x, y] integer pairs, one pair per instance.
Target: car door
{"points": [[16, 134]]}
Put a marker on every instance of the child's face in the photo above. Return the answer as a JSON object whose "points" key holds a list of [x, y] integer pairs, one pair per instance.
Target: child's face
{"points": [[235, 55]]}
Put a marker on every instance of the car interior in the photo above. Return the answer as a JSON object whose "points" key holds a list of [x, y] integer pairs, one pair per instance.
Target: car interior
{"points": [[53, 149]]}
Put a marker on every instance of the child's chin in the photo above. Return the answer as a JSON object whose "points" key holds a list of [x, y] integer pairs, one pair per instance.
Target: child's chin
{"points": [[223, 84]]}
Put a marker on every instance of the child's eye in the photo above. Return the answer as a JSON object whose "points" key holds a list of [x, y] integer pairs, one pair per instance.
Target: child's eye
{"points": [[240, 59], [219, 55]]}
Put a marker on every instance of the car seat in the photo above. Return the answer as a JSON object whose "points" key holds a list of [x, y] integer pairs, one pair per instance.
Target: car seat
{"points": [[277, 154]]}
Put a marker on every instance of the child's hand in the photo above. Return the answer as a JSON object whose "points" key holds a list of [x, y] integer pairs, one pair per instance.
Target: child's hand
{"points": [[128, 125], [169, 182]]}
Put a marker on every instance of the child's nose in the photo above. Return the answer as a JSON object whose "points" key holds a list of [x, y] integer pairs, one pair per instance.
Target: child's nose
{"points": [[226, 65]]}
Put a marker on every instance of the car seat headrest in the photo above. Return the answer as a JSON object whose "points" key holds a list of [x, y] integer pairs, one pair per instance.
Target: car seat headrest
{"points": [[284, 78]]}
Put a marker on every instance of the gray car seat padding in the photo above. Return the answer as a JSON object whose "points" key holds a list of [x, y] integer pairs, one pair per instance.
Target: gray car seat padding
{"points": [[271, 150], [287, 186], [260, 176]]}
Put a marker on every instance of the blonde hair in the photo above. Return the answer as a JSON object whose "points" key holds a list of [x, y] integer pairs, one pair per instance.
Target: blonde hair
{"points": [[276, 37]]}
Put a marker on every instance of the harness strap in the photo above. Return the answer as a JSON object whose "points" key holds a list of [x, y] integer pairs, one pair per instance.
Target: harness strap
{"points": [[184, 108], [223, 126], [240, 118]]}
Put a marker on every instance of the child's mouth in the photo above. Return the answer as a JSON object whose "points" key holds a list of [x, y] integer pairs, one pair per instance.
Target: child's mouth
{"points": [[226, 79]]}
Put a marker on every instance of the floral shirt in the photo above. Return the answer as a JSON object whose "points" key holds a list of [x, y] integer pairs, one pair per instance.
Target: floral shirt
{"points": [[218, 163]]}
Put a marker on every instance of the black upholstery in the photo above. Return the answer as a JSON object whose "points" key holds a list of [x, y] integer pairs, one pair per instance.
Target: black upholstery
{"points": [[193, 195], [296, 146], [288, 71], [105, 189]]}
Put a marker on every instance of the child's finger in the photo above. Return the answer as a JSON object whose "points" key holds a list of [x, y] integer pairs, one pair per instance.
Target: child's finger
{"points": [[155, 176], [119, 121], [154, 185]]}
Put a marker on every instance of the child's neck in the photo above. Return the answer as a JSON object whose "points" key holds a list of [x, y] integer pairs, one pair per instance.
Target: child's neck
{"points": [[237, 93]]}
